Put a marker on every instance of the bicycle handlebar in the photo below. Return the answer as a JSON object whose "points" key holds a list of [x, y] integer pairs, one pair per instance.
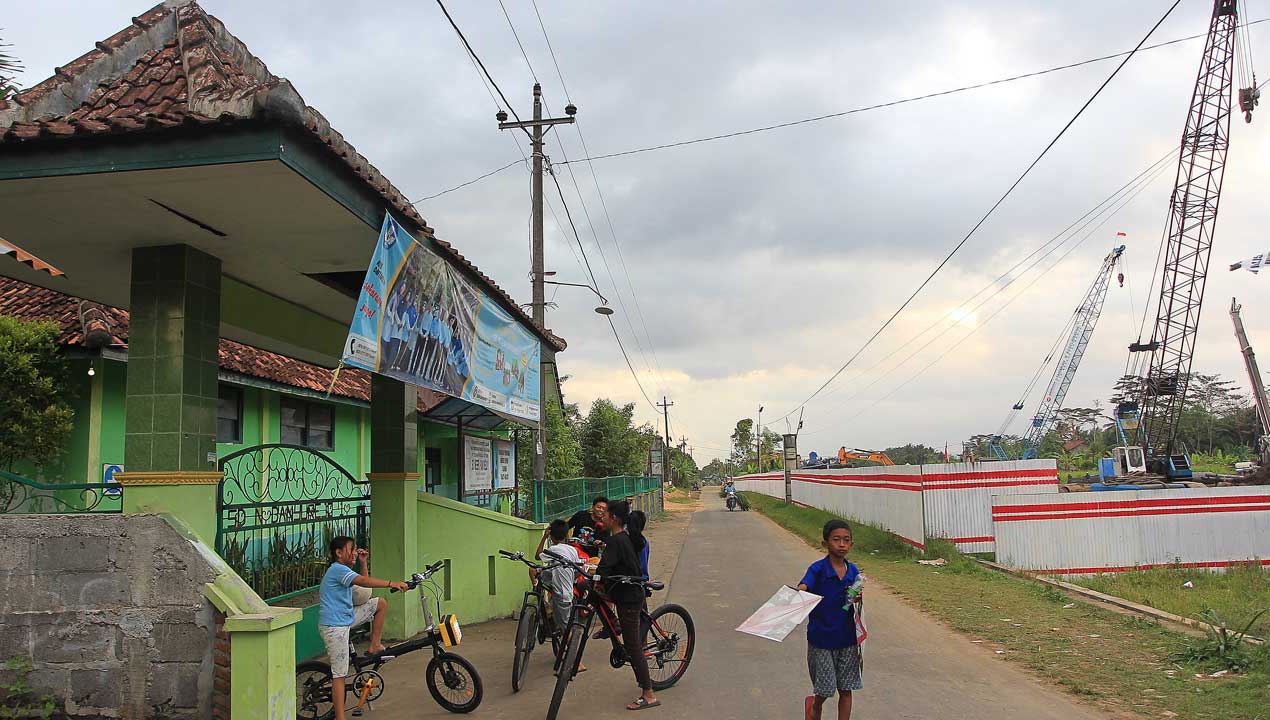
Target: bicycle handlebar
{"points": [[418, 578]]}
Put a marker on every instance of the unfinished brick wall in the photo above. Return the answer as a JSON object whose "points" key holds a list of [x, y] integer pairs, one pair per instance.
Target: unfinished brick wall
{"points": [[110, 611], [220, 674]]}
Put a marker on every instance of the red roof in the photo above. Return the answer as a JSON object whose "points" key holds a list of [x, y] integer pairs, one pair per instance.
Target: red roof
{"points": [[31, 302], [22, 256], [176, 65]]}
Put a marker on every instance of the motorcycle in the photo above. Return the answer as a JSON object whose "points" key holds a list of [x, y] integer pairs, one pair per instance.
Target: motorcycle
{"points": [[731, 503]]}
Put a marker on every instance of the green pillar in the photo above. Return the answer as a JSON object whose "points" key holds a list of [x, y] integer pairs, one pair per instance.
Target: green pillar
{"points": [[262, 668], [170, 426], [394, 482]]}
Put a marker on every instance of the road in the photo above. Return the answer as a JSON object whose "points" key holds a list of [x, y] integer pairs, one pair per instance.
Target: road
{"points": [[730, 563]]}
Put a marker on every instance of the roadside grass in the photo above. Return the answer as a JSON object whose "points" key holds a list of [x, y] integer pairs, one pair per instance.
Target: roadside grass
{"points": [[1121, 663], [1235, 596], [679, 499]]}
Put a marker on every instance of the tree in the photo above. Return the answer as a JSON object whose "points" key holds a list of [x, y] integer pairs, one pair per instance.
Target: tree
{"points": [[610, 445], [742, 442], [914, 454], [35, 410], [714, 471], [9, 69]]}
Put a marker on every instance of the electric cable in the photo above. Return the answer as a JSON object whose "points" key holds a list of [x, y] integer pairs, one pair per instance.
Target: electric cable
{"points": [[991, 210]]}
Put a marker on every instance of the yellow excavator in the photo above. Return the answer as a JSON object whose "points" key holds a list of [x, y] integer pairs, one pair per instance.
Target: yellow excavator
{"points": [[880, 458]]}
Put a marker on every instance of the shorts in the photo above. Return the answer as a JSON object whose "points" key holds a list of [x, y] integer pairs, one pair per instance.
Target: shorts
{"points": [[835, 670], [336, 636], [561, 610]]}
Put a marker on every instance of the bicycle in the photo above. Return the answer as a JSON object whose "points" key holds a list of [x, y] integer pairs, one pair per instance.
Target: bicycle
{"points": [[670, 634], [535, 625], [453, 681]]}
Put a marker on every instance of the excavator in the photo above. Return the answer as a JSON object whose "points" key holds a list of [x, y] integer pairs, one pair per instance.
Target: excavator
{"points": [[845, 456]]}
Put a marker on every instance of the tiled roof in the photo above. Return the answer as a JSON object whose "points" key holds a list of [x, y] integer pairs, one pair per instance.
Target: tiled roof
{"points": [[31, 302], [175, 65]]}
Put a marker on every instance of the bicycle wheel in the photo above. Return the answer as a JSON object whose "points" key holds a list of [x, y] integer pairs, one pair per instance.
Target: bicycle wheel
{"points": [[575, 640], [526, 639], [669, 643], [454, 683], [313, 691]]}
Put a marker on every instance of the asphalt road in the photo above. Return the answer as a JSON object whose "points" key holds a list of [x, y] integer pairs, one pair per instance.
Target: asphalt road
{"points": [[729, 564]]}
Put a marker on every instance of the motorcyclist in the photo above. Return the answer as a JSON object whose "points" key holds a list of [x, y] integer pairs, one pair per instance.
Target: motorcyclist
{"points": [[732, 498]]}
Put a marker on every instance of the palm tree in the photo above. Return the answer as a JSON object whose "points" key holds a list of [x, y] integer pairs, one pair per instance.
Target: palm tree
{"points": [[9, 69]]}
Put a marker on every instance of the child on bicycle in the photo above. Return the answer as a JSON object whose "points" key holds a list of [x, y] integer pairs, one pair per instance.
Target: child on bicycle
{"points": [[560, 580], [337, 616], [833, 653]]}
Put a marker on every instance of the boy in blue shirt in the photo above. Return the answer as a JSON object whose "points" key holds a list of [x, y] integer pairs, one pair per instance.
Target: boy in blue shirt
{"points": [[833, 655], [337, 616]]}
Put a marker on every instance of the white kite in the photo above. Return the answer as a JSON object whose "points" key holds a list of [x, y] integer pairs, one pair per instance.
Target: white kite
{"points": [[778, 617]]}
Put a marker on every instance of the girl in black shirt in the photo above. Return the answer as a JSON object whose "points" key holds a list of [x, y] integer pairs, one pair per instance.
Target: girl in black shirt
{"points": [[621, 557]]}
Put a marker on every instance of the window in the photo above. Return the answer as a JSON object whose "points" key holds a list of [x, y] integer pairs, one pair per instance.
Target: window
{"points": [[307, 423], [229, 414], [431, 469]]}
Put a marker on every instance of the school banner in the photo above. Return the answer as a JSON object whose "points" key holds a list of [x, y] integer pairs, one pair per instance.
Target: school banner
{"points": [[420, 321]]}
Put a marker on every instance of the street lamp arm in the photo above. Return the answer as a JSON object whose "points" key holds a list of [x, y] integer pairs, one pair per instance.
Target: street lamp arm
{"points": [[581, 285]]}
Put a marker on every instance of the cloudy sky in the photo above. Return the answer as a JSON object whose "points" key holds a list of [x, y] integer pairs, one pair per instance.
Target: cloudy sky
{"points": [[745, 271]]}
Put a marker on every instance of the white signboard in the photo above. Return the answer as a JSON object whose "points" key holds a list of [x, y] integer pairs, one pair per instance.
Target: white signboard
{"points": [[505, 465], [477, 465]]}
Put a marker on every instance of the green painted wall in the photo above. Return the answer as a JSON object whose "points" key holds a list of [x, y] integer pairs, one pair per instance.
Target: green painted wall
{"points": [[467, 537]]}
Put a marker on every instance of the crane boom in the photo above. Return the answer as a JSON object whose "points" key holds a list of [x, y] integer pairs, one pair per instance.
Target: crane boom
{"points": [[1254, 375], [1083, 322], [1192, 221]]}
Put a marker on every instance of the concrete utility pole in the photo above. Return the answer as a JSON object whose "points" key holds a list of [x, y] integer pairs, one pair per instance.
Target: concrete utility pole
{"points": [[665, 406], [758, 441], [538, 275]]}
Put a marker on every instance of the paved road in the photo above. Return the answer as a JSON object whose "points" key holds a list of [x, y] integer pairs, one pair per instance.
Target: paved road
{"points": [[730, 563]]}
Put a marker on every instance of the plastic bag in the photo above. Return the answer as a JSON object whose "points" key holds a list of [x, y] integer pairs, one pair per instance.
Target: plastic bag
{"points": [[778, 617]]}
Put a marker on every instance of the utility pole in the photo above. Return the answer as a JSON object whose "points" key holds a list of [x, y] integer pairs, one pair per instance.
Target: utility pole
{"points": [[536, 133], [758, 441], [665, 406]]}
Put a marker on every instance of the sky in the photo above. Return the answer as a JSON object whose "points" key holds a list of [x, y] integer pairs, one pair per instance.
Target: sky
{"points": [[745, 271]]}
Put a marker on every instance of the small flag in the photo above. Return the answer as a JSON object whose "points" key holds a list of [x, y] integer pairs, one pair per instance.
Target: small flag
{"points": [[861, 633], [1120, 234], [945, 452]]}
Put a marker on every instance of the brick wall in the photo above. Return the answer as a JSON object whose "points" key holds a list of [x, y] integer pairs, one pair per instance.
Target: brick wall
{"points": [[110, 611], [220, 658]]}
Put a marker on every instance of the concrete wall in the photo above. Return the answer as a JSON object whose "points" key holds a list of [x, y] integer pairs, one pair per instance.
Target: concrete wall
{"points": [[110, 610], [1095, 532], [481, 583]]}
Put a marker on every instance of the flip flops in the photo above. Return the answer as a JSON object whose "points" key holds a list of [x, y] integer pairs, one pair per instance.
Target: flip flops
{"points": [[808, 704], [642, 704]]}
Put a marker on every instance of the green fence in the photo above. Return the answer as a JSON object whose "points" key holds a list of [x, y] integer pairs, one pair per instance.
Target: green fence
{"points": [[562, 498], [19, 495]]}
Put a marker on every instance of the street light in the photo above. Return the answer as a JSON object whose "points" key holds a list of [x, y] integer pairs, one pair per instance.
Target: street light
{"points": [[603, 309]]}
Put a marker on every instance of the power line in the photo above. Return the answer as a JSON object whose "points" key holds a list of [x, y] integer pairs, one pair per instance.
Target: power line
{"points": [[510, 108], [903, 101], [518, 43], [473, 181], [991, 210]]}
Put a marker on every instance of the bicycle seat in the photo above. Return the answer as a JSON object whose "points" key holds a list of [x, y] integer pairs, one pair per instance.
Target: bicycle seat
{"points": [[654, 585]]}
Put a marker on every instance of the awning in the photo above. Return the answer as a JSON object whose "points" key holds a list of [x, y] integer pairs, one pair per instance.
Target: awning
{"points": [[454, 410]]}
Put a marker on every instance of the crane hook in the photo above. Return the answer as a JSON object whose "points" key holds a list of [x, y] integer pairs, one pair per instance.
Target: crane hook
{"points": [[1120, 279]]}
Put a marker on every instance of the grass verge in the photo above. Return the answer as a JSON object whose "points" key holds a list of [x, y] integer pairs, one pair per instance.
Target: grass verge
{"points": [[1121, 663], [1235, 596]]}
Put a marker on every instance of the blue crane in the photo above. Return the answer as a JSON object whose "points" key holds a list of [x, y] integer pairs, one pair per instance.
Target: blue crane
{"points": [[1078, 330]]}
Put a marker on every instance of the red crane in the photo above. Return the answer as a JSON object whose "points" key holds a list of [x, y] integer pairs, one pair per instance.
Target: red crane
{"points": [[1192, 222]]}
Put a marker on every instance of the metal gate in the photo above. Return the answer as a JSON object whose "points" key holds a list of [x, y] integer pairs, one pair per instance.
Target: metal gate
{"points": [[278, 507]]}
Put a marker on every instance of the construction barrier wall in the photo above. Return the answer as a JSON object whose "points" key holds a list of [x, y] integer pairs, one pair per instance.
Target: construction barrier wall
{"points": [[958, 497], [1096, 532], [886, 497]]}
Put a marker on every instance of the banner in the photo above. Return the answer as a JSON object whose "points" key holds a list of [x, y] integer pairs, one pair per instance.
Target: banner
{"points": [[504, 465], [477, 475], [420, 321]]}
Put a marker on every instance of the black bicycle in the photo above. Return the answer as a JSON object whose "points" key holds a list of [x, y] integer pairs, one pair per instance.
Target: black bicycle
{"points": [[669, 635], [536, 624], [452, 680]]}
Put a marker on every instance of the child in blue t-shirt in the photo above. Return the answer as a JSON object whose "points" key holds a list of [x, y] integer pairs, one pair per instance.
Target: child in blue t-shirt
{"points": [[833, 654]]}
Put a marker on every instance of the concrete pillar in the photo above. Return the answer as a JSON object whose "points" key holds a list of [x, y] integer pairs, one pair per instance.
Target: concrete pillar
{"points": [[394, 505], [170, 429], [262, 669]]}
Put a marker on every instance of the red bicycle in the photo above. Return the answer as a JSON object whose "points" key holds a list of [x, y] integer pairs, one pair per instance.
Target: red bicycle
{"points": [[669, 635]]}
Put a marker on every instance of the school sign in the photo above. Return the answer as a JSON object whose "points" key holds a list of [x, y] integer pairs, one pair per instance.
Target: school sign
{"points": [[420, 321]]}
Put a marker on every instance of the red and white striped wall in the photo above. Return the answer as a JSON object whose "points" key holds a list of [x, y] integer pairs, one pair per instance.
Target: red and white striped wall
{"points": [[957, 498], [1088, 533], [885, 497]]}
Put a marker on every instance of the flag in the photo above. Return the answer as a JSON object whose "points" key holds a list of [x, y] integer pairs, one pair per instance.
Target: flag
{"points": [[1120, 234], [945, 451], [861, 633]]}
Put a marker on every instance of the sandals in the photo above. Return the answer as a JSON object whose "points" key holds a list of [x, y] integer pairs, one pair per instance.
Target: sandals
{"points": [[642, 704]]}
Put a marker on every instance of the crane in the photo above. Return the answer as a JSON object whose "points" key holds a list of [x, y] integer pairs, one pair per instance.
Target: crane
{"points": [[1254, 378], [1082, 324], [1191, 225]]}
